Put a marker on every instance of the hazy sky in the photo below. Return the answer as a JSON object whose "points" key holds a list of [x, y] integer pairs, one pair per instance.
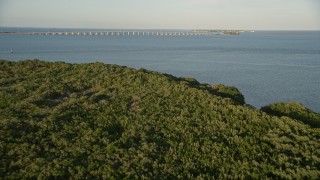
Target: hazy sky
{"points": [[163, 14]]}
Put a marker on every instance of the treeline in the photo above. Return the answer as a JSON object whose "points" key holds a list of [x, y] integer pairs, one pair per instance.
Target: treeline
{"points": [[98, 121]]}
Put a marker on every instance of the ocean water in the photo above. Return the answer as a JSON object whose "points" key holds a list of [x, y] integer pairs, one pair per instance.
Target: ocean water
{"points": [[266, 66]]}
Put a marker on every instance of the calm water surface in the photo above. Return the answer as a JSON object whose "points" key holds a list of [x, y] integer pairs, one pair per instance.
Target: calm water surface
{"points": [[267, 66]]}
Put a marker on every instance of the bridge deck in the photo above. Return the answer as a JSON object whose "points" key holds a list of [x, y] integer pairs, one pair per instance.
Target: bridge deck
{"points": [[127, 33]]}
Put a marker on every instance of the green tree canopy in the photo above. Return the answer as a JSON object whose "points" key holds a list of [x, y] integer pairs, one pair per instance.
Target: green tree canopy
{"points": [[100, 121]]}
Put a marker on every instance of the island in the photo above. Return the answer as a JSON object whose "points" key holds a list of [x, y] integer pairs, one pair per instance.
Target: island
{"points": [[104, 121]]}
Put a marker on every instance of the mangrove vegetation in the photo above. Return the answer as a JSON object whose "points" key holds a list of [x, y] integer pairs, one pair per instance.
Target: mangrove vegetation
{"points": [[101, 121]]}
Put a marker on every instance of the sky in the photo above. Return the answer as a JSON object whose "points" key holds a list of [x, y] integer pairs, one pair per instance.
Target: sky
{"points": [[163, 14]]}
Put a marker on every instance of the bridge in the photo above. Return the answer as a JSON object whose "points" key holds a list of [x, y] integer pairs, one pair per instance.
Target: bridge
{"points": [[130, 33]]}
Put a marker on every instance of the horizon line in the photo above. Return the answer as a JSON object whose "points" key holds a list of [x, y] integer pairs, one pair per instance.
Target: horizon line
{"points": [[113, 28]]}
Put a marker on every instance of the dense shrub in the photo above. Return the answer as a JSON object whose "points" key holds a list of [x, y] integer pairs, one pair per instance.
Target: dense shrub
{"points": [[98, 121], [228, 91], [294, 110]]}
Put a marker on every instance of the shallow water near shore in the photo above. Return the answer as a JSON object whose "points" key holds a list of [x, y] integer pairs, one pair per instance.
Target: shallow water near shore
{"points": [[266, 66]]}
